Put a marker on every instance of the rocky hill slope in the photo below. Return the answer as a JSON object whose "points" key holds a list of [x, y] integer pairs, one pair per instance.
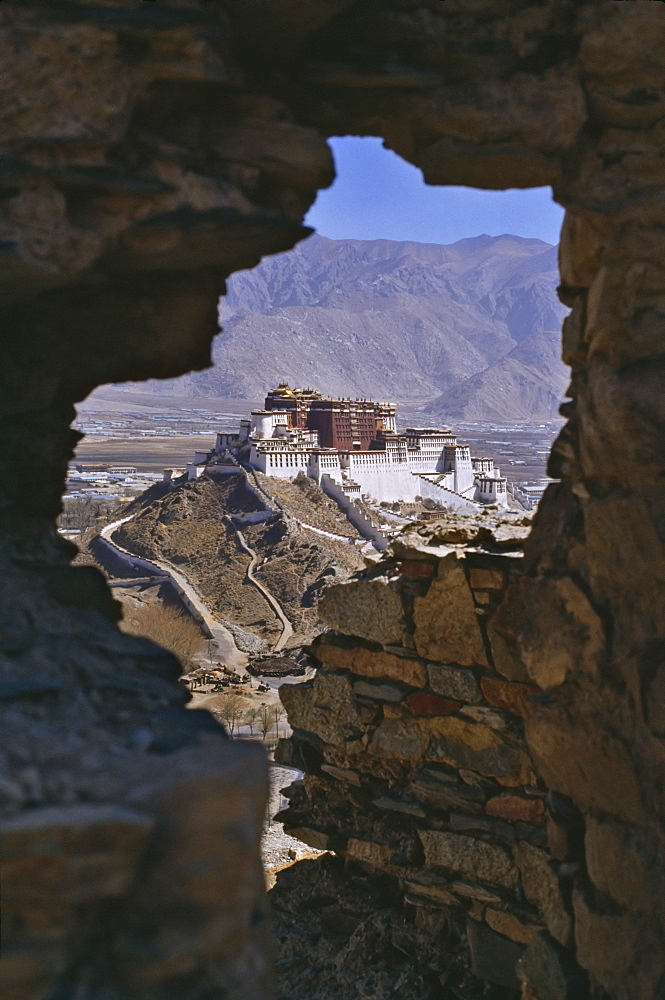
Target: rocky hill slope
{"points": [[473, 326], [186, 527]]}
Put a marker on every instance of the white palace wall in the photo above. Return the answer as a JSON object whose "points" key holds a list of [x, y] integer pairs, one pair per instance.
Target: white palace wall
{"points": [[280, 464], [451, 501], [382, 480], [387, 474]]}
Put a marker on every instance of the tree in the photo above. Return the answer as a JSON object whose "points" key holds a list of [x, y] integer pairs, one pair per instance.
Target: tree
{"points": [[278, 715], [429, 504], [83, 513], [168, 627], [229, 708], [251, 718], [266, 721]]}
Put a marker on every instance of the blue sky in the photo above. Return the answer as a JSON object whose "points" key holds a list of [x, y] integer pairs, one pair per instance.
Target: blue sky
{"points": [[377, 195]]}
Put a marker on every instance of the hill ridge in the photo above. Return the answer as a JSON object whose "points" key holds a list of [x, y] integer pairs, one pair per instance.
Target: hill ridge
{"points": [[399, 320]]}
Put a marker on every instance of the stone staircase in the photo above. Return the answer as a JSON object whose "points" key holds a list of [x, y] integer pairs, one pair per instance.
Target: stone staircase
{"points": [[350, 486]]}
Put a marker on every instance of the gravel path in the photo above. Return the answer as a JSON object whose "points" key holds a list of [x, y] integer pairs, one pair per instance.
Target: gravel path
{"points": [[278, 848]]}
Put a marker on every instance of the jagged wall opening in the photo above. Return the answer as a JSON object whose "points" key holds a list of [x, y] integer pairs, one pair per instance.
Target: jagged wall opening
{"points": [[150, 150]]}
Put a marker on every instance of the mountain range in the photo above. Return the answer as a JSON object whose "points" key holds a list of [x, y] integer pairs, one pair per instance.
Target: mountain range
{"points": [[467, 330]]}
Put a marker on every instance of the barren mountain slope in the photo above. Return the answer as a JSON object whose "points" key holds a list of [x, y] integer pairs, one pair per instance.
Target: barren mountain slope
{"points": [[393, 320], [530, 382], [186, 528]]}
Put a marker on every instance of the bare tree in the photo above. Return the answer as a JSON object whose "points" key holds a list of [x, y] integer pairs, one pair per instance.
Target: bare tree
{"points": [[167, 626], [266, 722], [251, 718], [229, 708], [83, 513], [278, 715]]}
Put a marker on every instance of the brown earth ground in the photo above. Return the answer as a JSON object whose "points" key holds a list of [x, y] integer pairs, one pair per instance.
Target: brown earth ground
{"points": [[186, 527]]}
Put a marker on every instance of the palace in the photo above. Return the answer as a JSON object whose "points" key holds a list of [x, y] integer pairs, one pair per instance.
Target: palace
{"points": [[352, 446]]}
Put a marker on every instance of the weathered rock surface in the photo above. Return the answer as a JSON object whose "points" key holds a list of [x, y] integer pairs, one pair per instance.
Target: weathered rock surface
{"points": [[371, 663], [414, 776], [466, 856], [149, 150], [453, 682], [380, 618], [446, 625]]}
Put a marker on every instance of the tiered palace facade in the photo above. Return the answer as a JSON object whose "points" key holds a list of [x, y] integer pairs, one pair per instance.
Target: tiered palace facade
{"points": [[354, 442]]}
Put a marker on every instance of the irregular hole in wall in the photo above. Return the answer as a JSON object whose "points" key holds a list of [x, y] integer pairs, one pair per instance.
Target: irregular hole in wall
{"points": [[333, 311], [470, 333]]}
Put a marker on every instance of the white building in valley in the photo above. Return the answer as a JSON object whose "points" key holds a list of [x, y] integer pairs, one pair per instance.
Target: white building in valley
{"points": [[353, 446]]}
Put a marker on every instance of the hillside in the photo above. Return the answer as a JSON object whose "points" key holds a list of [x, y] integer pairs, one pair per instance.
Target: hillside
{"points": [[186, 527], [473, 326]]}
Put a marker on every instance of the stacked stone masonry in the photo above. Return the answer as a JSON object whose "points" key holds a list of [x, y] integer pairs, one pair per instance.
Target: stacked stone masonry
{"points": [[411, 737], [148, 150]]}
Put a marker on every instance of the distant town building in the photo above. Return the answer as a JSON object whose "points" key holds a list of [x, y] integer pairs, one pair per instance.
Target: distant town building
{"points": [[352, 445]]}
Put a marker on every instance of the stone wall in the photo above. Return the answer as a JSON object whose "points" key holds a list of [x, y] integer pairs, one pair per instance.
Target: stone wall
{"points": [[411, 736], [372, 532], [150, 149]]}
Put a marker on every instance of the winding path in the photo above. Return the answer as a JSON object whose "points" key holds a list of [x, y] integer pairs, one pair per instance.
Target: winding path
{"points": [[227, 649], [278, 505], [287, 628]]}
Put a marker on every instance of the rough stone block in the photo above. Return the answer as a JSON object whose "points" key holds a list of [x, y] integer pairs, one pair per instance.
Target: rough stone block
{"points": [[201, 897], [324, 706], [510, 696], [369, 663], [621, 951], [559, 633], [474, 859], [541, 887], [516, 809], [342, 774], [380, 692], [473, 746], [493, 956], [578, 757], [369, 609], [655, 701], [558, 839], [443, 792], [510, 926], [501, 632], [417, 569], [375, 855], [392, 803], [487, 579], [620, 531], [446, 625], [422, 887], [72, 854], [548, 970], [453, 682], [621, 861], [476, 824], [315, 838], [498, 721], [404, 739], [423, 703], [479, 894]]}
